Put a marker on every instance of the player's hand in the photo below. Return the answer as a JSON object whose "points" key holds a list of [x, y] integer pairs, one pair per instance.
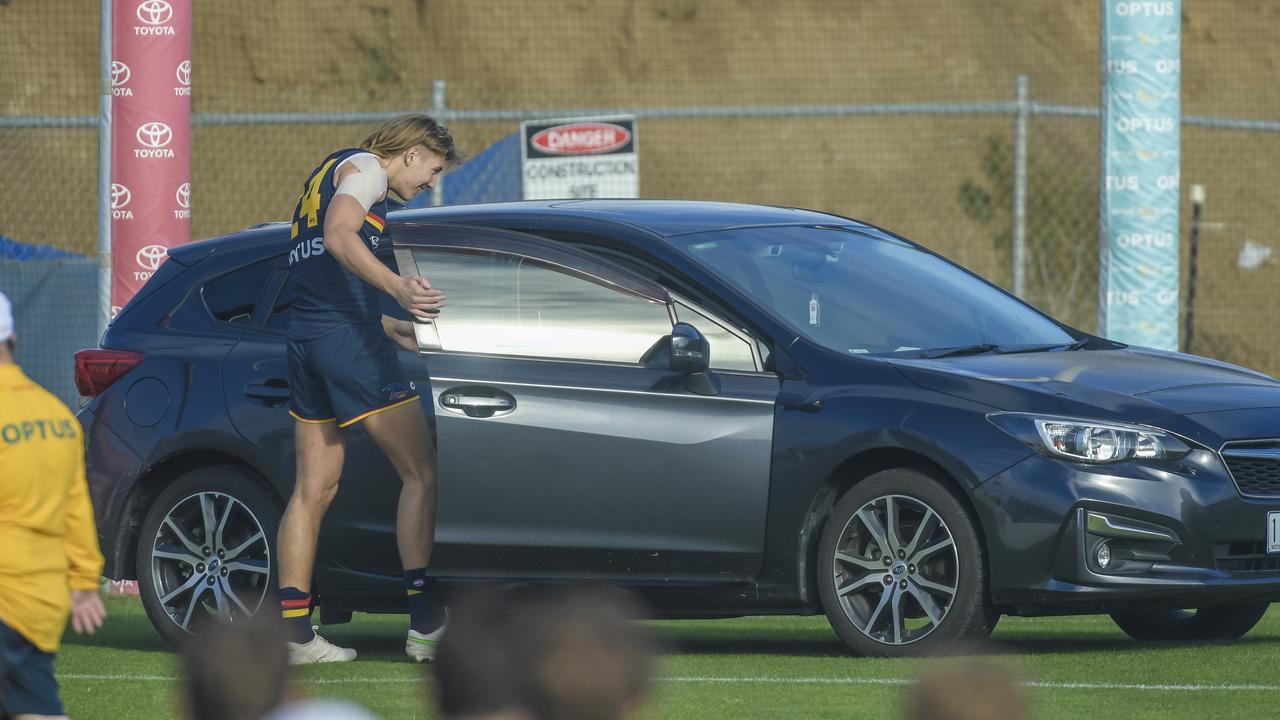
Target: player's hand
{"points": [[417, 296], [87, 611]]}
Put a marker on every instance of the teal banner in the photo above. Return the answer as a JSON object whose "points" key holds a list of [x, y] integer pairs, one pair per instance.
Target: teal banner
{"points": [[1141, 118]]}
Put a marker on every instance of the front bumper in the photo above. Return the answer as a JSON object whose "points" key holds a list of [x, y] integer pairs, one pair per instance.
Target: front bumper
{"points": [[1179, 533]]}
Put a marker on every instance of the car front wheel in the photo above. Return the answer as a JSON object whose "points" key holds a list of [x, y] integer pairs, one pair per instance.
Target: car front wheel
{"points": [[901, 569], [207, 549], [1219, 623]]}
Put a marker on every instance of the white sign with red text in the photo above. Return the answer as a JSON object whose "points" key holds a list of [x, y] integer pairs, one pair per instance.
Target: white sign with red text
{"points": [[592, 157]]}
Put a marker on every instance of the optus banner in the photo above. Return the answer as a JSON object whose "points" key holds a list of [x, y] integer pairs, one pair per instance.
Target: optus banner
{"points": [[150, 139], [1141, 117]]}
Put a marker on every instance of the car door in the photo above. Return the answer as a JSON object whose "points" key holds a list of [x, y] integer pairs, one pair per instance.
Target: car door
{"points": [[560, 453]]}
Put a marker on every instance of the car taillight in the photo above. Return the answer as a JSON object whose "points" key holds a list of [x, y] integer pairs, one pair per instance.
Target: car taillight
{"points": [[97, 368]]}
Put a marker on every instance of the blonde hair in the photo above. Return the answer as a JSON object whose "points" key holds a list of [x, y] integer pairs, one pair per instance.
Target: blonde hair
{"points": [[401, 133]]}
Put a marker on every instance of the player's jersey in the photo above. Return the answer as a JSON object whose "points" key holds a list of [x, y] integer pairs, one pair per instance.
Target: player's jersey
{"points": [[327, 295]]}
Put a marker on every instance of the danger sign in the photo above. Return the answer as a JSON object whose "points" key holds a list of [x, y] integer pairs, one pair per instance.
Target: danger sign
{"points": [[580, 158]]}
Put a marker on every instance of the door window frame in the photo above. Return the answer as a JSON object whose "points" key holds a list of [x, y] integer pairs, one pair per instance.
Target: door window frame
{"points": [[428, 335], [753, 345]]}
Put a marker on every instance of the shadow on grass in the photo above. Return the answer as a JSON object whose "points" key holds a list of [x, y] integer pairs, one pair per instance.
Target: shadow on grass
{"points": [[122, 632], [744, 641], [706, 645], [127, 628], [1065, 644]]}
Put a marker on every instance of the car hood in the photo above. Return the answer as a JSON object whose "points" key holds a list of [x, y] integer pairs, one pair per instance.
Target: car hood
{"points": [[1133, 384]]}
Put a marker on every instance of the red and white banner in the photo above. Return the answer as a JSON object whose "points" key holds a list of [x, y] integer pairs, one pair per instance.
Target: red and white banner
{"points": [[150, 139]]}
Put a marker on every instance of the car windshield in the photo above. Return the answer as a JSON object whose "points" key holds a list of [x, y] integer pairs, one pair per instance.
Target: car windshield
{"points": [[860, 293]]}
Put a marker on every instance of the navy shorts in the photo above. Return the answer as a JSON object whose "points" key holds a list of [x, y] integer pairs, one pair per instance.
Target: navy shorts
{"points": [[27, 686], [346, 376]]}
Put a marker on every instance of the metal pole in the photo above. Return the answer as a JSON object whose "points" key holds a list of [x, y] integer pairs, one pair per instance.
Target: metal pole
{"points": [[437, 109], [104, 170], [1197, 202], [1020, 188]]}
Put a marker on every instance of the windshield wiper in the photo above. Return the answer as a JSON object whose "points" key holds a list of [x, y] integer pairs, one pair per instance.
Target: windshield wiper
{"points": [[1077, 345], [978, 349], [984, 348]]}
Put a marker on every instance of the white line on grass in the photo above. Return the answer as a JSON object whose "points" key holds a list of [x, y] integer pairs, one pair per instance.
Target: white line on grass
{"points": [[744, 680]]}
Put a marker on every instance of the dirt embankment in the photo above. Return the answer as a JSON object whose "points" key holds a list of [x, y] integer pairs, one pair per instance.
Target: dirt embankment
{"points": [[912, 173]]}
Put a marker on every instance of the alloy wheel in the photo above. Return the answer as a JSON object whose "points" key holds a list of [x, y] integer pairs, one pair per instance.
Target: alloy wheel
{"points": [[210, 556], [896, 569]]}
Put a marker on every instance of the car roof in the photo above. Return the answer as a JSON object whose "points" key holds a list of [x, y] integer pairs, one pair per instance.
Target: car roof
{"points": [[664, 218], [660, 218]]}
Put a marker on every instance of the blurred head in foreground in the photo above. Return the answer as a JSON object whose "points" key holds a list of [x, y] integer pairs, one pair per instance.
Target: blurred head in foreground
{"points": [[966, 689], [551, 653], [237, 670]]}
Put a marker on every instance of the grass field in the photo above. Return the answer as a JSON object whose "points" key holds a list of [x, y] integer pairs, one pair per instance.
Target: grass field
{"points": [[1080, 667]]}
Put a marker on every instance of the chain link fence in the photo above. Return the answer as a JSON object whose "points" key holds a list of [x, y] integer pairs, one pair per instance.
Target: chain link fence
{"points": [[902, 113]]}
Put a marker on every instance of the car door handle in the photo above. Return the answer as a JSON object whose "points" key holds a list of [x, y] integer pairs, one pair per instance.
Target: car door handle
{"points": [[477, 402], [273, 389]]}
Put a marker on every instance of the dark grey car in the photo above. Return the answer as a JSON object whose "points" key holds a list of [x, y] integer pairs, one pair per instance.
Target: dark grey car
{"points": [[731, 409]]}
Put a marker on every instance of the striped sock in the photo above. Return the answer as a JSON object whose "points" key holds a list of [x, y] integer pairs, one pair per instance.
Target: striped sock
{"points": [[295, 608], [425, 613]]}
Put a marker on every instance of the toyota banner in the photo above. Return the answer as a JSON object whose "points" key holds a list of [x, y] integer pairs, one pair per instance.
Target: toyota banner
{"points": [[150, 139]]}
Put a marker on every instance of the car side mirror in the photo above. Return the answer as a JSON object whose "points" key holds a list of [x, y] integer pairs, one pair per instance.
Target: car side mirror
{"points": [[691, 357], [690, 351]]}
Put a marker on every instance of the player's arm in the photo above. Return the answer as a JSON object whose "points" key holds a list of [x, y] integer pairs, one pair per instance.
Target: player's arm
{"points": [[400, 332], [356, 193]]}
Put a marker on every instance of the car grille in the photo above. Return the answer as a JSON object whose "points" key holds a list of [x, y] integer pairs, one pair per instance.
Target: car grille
{"points": [[1255, 466], [1248, 556]]}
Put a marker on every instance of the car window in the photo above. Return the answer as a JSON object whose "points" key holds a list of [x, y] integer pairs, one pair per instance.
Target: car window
{"points": [[509, 305], [728, 351], [861, 293], [231, 297]]}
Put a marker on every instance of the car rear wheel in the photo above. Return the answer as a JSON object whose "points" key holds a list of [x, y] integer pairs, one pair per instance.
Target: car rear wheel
{"points": [[207, 549], [1218, 623], [901, 569]]}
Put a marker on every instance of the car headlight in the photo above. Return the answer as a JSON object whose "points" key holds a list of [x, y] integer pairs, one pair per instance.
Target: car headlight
{"points": [[1091, 441]]}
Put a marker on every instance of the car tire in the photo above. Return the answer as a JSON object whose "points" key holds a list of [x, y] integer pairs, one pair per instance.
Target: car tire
{"points": [[929, 594], [207, 548], [1229, 622]]}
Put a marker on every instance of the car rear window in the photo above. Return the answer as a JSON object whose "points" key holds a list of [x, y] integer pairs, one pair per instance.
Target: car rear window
{"points": [[231, 297]]}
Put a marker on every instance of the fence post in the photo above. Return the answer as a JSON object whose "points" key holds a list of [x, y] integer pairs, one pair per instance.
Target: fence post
{"points": [[437, 111], [1020, 188], [104, 170]]}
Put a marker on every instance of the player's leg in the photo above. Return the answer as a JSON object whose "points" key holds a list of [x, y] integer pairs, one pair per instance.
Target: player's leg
{"points": [[386, 403], [403, 435], [320, 452], [320, 448], [27, 685]]}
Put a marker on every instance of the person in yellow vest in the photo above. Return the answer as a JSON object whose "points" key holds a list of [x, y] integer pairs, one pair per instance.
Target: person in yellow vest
{"points": [[50, 565]]}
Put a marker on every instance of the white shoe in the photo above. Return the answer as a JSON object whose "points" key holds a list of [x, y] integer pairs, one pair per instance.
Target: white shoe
{"points": [[318, 650], [421, 647]]}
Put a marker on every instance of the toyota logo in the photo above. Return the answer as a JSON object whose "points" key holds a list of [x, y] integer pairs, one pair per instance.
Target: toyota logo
{"points": [[120, 73], [154, 12], [184, 72], [120, 196], [154, 134], [150, 256], [183, 196]]}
